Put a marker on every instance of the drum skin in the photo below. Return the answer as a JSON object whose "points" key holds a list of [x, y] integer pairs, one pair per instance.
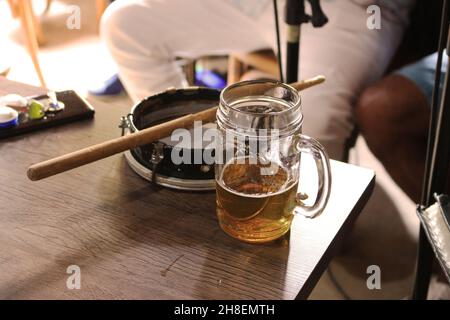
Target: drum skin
{"points": [[156, 157]]}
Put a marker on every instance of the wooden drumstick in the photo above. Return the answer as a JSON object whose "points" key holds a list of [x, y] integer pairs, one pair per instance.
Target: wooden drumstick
{"points": [[106, 149], [308, 83]]}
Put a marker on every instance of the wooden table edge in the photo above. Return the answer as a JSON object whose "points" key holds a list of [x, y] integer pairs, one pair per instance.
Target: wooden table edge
{"points": [[335, 245]]}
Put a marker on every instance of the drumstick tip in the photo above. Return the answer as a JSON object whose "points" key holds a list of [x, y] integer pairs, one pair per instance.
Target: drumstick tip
{"points": [[320, 78], [317, 79], [31, 174], [308, 83]]}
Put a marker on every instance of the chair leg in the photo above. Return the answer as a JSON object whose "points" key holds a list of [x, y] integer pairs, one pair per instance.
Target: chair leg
{"points": [[101, 6], [234, 69], [189, 70], [13, 8], [26, 16], [38, 27], [14, 5], [264, 62], [48, 3], [4, 71]]}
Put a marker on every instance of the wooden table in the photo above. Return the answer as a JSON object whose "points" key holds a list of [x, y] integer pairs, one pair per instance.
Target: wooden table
{"points": [[133, 241]]}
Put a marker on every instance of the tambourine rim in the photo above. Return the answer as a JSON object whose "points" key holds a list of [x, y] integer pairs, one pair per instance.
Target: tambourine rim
{"points": [[169, 91], [169, 182]]}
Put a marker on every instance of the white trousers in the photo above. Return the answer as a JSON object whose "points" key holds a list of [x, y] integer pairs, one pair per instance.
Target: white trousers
{"points": [[145, 36]]}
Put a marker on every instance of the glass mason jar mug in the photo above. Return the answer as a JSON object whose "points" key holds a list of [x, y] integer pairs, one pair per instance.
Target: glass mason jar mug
{"points": [[258, 161]]}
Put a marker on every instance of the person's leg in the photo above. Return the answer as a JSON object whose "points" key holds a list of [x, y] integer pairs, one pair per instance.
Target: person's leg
{"points": [[145, 36], [393, 116], [351, 56]]}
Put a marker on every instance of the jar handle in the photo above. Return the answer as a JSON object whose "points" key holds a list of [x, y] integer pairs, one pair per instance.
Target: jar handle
{"points": [[311, 146]]}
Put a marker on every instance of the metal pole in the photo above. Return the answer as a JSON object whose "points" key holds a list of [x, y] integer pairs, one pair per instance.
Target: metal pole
{"points": [[277, 29], [437, 163], [294, 16]]}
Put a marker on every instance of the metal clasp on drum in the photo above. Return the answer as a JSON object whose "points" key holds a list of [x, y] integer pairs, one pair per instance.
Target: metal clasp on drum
{"points": [[125, 124]]}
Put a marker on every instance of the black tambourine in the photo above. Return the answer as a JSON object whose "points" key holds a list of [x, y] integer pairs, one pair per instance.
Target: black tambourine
{"points": [[153, 161]]}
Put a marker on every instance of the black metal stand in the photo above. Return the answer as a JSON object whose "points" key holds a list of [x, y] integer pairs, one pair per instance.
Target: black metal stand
{"points": [[295, 16], [438, 158]]}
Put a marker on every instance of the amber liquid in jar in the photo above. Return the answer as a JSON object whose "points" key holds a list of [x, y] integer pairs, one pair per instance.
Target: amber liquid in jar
{"points": [[255, 201]]}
